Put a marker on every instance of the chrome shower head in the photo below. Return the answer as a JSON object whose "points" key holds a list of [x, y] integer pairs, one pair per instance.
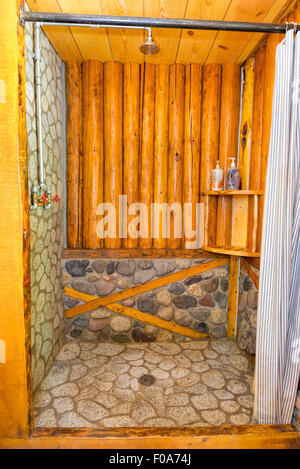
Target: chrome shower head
{"points": [[149, 47]]}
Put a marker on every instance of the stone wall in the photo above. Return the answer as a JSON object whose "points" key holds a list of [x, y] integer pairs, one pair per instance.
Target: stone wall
{"points": [[46, 225], [198, 302], [247, 318]]}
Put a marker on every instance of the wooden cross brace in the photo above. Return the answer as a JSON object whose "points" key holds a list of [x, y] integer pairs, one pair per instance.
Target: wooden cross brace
{"points": [[110, 301]]}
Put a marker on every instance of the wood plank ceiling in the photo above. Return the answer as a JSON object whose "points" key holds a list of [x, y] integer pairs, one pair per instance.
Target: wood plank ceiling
{"points": [[182, 46]]}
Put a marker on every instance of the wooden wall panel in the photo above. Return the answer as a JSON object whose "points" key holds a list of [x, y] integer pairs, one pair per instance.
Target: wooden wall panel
{"points": [[192, 140], [147, 146], [228, 147], [113, 127], [131, 142], [210, 138], [175, 158], [74, 152], [257, 133], [161, 149], [92, 151]]}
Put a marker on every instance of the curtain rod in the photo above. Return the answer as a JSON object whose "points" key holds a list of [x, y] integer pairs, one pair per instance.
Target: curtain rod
{"points": [[64, 19]]}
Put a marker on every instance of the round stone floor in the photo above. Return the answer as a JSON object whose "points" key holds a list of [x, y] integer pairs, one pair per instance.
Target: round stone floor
{"points": [[200, 383]]}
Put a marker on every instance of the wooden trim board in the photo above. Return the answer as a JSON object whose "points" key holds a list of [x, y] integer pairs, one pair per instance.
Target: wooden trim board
{"points": [[137, 252], [223, 437]]}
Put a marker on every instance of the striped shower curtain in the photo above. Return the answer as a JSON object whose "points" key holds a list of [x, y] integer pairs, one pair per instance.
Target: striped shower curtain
{"points": [[278, 325]]}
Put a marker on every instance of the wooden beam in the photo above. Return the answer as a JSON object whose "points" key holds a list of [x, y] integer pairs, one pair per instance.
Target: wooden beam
{"points": [[74, 153], [211, 93], [92, 152], [131, 142], [228, 144], [192, 143], [175, 154], [147, 146], [217, 437], [140, 316], [130, 253], [232, 295], [152, 285], [15, 366]]}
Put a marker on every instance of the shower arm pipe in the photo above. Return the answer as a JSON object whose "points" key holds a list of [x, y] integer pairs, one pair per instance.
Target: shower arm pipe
{"points": [[37, 58], [63, 19]]}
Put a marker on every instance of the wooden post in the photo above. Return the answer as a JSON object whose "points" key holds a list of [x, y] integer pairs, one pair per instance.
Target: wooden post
{"points": [[147, 147], [232, 295], [175, 160], [74, 153], [15, 320], [92, 151], [113, 127], [131, 142], [257, 132], [161, 150], [228, 144], [210, 138], [240, 207], [192, 132]]}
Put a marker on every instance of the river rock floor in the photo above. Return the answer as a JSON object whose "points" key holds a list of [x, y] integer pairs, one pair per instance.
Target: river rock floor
{"points": [[195, 383]]}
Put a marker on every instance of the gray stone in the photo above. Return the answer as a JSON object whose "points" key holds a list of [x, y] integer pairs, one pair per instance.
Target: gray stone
{"points": [[183, 318], [221, 298], [71, 419], [81, 321], [83, 286], [67, 389], [111, 267], [205, 401], [121, 338], [210, 285], [46, 419], [236, 386], [182, 415], [253, 299], [184, 301], [180, 399], [166, 313], [147, 304], [126, 267], [213, 379], [75, 333], [143, 276], [164, 267], [139, 336], [118, 421], [177, 288], [96, 325], [247, 285], [200, 326], [145, 265], [214, 417], [63, 404], [224, 284], [77, 268], [57, 375], [163, 297], [104, 288], [70, 302], [193, 279], [200, 314], [99, 266], [103, 335]]}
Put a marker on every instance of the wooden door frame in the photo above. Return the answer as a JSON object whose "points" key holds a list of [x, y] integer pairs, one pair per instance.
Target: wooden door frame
{"points": [[16, 408]]}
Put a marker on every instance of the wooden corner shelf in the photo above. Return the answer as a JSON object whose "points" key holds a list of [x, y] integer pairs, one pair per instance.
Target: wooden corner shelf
{"points": [[240, 243], [232, 251]]}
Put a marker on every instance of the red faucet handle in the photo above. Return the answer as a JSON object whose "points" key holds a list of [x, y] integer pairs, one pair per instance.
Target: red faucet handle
{"points": [[56, 198], [44, 197]]}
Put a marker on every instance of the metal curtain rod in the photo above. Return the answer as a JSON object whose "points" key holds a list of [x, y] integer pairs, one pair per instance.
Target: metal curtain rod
{"points": [[136, 21]]}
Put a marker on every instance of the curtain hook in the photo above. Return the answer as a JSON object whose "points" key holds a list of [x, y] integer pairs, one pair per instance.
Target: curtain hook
{"points": [[286, 26], [295, 27]]}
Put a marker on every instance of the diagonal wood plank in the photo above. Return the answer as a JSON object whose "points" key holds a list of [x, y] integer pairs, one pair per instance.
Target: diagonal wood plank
{"points": [[251, 273], [152, 285], [140, 316]]}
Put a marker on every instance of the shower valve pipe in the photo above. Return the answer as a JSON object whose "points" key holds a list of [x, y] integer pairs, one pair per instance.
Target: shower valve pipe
{"points": [[38, 82]]}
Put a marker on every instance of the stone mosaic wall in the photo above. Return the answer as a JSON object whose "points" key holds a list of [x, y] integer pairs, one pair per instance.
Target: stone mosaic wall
{"points": [[247, 318], [46, 225], [198, 302]]}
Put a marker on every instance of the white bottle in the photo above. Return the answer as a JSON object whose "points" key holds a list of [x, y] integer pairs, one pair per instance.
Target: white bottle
{"points": [[217, 178]]}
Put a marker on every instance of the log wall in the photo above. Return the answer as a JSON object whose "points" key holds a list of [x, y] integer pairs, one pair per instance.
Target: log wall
{"points": [[140, 130]]}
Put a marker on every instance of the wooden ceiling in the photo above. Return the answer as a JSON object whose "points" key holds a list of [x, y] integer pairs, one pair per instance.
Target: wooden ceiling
{"points": [[182, 46]]}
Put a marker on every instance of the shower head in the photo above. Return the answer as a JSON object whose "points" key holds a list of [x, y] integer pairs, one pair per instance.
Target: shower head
{"points": [[149, 47]]}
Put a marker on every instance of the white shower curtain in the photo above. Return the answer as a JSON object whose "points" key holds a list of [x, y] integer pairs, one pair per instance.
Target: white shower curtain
{"points": [[278, 325]]}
